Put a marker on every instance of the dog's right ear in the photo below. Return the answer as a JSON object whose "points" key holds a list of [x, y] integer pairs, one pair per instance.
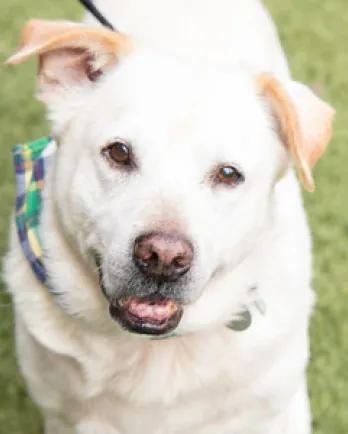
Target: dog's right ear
{"points": [[70, 54]]}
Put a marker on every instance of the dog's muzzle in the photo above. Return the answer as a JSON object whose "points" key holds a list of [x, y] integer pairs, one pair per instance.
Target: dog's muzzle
{"points": [[160, 259]]}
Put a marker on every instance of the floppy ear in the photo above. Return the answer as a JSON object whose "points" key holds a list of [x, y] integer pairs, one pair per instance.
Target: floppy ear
{"points": [[69, 53], [303, 119]]}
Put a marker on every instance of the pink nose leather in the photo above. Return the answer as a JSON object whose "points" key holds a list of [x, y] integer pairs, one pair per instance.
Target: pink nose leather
{"points": [[163, 255]]}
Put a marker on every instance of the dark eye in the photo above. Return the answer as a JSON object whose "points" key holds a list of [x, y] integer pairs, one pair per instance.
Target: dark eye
{"points": [[119, 152], [229, 175]]}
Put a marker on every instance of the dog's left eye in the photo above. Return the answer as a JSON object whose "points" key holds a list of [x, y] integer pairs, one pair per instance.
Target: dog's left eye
{"points": [[229, 175]]}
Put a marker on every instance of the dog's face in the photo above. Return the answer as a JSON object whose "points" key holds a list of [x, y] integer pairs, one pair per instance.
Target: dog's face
{"points": [[165, 177]]}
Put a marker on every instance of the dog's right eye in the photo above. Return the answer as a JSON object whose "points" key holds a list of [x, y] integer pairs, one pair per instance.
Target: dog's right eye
{"points": [[119, 152]]}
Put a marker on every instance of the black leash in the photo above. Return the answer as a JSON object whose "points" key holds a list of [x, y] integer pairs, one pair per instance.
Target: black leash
{"points": [[89, 5]]}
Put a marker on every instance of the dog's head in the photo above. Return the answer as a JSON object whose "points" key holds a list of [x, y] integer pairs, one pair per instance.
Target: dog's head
{"points": [[165, 172]]}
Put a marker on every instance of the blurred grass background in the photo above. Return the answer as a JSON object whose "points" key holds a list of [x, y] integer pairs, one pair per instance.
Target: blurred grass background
{"points": [[315, 37]]}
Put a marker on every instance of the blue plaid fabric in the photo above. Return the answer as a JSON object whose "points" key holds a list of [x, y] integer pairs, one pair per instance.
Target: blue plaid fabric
{"points": [[31, 161]]}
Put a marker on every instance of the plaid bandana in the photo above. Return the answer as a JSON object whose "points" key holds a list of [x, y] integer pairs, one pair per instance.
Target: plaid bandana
{"points": [[31, 161]]}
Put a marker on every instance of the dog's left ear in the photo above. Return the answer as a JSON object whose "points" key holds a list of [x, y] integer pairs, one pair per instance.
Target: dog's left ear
{"points": [[304, 122], [70, 53]]}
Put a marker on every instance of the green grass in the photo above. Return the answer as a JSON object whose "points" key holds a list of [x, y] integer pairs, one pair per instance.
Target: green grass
{"points": [[315, 35]]}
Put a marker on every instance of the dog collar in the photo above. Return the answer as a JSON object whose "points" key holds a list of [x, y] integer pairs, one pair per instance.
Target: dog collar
{"points": [[31, 161]]}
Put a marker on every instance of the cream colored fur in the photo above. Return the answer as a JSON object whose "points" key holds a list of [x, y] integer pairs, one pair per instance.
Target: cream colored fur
{"points": [[188, 99]]}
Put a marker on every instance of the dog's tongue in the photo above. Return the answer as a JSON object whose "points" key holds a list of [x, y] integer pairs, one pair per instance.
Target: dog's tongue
{"points": [[154, 309]]}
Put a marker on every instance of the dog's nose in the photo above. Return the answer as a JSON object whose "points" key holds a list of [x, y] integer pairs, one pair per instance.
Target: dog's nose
{"points": [[164, 256]]}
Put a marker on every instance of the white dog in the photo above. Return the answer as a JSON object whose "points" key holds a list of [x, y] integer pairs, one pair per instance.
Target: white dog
{"points": [[173, 178]]}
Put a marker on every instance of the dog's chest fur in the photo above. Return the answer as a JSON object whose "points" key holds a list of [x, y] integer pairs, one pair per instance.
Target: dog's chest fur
{"points": [[165, 387]]}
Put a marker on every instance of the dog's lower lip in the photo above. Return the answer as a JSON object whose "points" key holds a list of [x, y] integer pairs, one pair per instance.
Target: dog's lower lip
{"points": [[151, 315]]}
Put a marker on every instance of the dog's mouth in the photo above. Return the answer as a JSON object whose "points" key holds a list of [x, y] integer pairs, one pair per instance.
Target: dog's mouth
{"points": [[149, 315]]}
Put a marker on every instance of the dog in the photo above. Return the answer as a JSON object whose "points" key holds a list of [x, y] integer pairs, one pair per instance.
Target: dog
{"points": [[175, 242]]}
